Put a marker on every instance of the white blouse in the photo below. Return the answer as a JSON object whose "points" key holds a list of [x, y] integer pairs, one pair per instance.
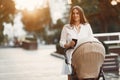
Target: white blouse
{"points": [[68, 33]]}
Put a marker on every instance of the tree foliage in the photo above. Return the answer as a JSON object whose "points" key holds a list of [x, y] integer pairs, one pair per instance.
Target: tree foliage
{"points": [[7, 11], [37, 20]]}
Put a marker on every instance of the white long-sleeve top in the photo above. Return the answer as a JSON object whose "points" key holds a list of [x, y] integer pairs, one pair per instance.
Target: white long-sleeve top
{"points": [[68, 33]]}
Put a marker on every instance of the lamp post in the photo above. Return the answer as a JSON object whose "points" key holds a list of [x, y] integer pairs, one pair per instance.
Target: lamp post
{"points": [[118, 1], [115, 2], [69, 2]]}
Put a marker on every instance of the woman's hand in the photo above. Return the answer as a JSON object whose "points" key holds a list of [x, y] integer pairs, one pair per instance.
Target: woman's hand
{"points": [[70, 45]]}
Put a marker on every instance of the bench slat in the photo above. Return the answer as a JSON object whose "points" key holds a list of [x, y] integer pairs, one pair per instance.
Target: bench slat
{"points": [[111, 64], [112, 42]]}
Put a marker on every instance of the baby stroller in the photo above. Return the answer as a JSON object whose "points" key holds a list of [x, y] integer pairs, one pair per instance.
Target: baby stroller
{"points": [[87, 61]]}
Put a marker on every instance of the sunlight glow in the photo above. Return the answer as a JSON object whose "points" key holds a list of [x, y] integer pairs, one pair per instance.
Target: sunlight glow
{"points": [[69, 2], [118, 0], [114, 2], [29, 4]]}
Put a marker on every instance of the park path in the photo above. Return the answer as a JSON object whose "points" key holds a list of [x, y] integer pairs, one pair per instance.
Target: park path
{"points": [[20, 64]]}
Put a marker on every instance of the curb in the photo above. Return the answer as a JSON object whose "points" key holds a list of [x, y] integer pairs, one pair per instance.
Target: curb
{"points": [[58, 55]]}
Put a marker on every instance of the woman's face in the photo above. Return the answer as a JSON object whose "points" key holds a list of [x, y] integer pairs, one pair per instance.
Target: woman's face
{"points": [[75, 15]]}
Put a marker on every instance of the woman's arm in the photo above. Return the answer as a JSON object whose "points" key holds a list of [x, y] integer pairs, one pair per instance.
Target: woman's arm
{"points": [[90, 31], [63, 39]]}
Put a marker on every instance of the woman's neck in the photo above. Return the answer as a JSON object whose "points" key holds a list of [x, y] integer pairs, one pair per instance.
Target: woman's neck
{"points": [[77, 23]]}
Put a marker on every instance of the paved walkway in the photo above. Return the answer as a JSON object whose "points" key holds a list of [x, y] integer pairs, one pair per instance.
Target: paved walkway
{"points": [[20, 64]]}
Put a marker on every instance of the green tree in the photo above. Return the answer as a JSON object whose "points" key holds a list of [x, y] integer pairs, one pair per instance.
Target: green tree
{"points": [[109, 16], [7, 11], [36, 20], [58, 26], [55, 36]]}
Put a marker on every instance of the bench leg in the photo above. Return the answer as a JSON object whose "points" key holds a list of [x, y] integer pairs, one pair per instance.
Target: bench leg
{"points": [[101, 74]]}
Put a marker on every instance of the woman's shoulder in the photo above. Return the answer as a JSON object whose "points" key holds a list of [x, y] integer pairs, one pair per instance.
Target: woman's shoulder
{"points": [[68, 26], [86, 24]]}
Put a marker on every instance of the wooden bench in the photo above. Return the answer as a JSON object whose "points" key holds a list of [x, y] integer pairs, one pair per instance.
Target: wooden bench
{"points": [[112, 40], [111, 64]]}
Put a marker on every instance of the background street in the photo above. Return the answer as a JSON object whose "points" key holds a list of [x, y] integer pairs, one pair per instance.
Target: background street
{"points": [[20, 64]]}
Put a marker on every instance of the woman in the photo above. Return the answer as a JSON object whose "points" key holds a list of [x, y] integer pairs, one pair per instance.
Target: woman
{"points": [[78, 29]]}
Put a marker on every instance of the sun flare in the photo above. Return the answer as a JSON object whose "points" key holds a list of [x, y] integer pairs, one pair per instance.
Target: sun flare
{"points": [[28, 4]]}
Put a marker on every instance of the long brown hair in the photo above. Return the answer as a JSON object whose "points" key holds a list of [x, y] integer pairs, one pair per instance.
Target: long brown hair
{"points": [[83, 19]]}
